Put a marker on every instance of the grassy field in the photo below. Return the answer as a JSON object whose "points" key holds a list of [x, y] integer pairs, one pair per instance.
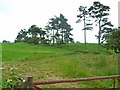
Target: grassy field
{"points": [[61, 62]]}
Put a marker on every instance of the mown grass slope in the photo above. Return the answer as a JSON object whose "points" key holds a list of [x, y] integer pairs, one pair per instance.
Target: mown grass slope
{"points": [[61, 62]]}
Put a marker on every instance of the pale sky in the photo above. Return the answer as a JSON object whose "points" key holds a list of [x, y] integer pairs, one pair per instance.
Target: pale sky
{"points": [[21, 14]]}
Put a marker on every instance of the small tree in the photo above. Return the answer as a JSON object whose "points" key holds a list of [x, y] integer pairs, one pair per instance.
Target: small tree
{"points": [[5, 41], [65, 29], [60, 30], [84, 16], [22, 36], [34, 30], [37, 35], [113, 40], [48, 33], [53, 26], [100, 13]]}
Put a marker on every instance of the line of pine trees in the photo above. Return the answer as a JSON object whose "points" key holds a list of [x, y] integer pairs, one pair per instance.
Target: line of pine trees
{"points": [[99, 14], [57, 31]]}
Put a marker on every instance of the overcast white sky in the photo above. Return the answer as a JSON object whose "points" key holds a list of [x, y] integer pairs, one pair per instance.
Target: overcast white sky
{"points": [[21, 14]]}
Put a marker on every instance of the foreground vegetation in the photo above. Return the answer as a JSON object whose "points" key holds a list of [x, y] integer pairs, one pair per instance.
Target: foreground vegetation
{"points": [[60, 62]]}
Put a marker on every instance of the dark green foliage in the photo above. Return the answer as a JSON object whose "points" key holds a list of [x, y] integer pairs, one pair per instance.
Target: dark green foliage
{"points": [[62, 30], [22, 36], [57, 31], [32, 40], [52, 26], [100, 12], [5, 41], [113, 40], [33, 30], [34, 35]]}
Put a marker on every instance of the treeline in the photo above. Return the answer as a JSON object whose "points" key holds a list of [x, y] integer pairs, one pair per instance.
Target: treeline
{"points": [[57, 31]]}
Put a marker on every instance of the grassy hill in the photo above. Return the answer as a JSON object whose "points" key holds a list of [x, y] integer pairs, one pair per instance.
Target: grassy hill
{"points": [[61, 62]]}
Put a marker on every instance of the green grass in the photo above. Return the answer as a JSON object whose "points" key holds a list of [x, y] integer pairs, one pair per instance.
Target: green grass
{"points": [[61, 62]]}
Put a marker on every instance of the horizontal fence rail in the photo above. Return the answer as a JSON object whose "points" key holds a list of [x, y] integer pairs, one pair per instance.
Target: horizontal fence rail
{"points": [[76, 80], [30, 83]]}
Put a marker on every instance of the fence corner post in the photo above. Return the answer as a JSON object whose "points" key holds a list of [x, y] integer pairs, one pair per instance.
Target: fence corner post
{"points": [[114, 84], [29, 82]]}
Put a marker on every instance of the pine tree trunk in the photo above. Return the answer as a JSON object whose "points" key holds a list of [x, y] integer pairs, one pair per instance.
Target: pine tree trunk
{"points": [[84, 33], [99, 34], [53, 38]]}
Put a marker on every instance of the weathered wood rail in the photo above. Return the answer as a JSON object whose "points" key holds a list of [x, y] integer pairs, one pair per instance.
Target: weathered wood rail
{"points": [[33, 84]]}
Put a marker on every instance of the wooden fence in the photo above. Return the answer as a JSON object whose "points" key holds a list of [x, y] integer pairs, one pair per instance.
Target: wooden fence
{"points": [[33, 84]]}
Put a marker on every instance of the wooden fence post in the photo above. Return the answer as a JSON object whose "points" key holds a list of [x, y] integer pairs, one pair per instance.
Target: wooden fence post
{"points": [[114, 83], [118, 69], [29, 83]]}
